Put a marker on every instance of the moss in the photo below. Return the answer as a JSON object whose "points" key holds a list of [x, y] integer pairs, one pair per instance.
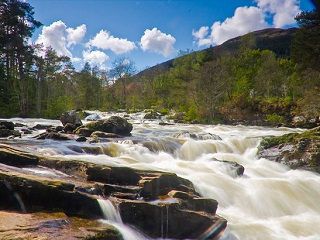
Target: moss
{"points": [[293, 138], [109, 233]]}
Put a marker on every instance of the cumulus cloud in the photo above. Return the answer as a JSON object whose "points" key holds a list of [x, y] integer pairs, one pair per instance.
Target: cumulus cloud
{"points": [[283, 11], [156, 41], [248, 19], [59, 37], [104, 40], [75, 35], [95, 58]]}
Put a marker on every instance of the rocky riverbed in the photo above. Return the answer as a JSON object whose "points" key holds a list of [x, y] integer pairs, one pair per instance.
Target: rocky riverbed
{"points": [[127, 177]]}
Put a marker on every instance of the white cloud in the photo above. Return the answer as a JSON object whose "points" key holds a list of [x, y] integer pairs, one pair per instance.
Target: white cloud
{"points": [[245, 19], [248, 19], [105, 41], [55, 36], [75, 35], [156, 41], [60, 38], [283, 11], [95, 58]]}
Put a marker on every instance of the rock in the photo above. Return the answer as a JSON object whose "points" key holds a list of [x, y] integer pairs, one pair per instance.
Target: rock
{"points": [[7, 133], [53, 225], [296, 150], [109, 233], [161, 184], [236, 168], [7, 125], [71, 117], [19, 125], [168, 220], [93, 117], [54, 136], [98, 134], [113, 175], [165, 124], [113, 124], [196, 136], [59, 128], [41, 127], [83, 131], [41, 193], [26, 131], [69, 128], [152, 115], [15, 157], [81, 139]]}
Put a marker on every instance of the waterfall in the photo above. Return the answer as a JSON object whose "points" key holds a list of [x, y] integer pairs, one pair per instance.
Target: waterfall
{"points": [[112, 217]]}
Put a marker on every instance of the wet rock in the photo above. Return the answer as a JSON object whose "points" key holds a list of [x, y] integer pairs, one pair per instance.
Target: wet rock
{"points": [[113, 175], [54, 136], [19, 125], [15, 157], [152, 115], [7, 133], [113, 124], [168, 220], [296, 150], [41, 127], [201, 136], [235, 167], [201, 204], [71, 117], [81, 139], [53, 225], [69, 128], [26, 131], [7, 125], [162, 184], [40, 193], [165, 124], [83, 131], [93, 117], [98, 134], [58, 128]]}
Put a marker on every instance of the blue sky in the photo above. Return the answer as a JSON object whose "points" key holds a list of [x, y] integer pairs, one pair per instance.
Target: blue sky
{"points": [[150, 32]]}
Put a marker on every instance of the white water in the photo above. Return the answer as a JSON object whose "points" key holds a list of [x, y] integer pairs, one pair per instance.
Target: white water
{"points": [[112, 217], [269, 202]]}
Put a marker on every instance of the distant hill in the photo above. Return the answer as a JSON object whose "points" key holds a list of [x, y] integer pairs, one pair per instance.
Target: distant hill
{"points": [[274, 39]]}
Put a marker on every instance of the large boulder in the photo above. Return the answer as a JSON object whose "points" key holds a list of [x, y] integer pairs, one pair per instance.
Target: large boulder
{"points": [[7, 125], [170, 220], [114, 124], [71, 117], [297, 150], [7, 133]]}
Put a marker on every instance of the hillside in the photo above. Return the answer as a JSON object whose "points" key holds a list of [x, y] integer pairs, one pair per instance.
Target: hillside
{"points": [[274, 39]]}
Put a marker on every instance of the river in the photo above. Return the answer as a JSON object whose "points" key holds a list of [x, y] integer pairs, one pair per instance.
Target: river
{"points": [[269, 201]]}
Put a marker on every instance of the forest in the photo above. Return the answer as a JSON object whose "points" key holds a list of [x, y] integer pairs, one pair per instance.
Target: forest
{"points": [[251, 84]]}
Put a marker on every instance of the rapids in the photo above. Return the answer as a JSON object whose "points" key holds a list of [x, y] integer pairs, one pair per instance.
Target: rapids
{"points": [[269, 201]]}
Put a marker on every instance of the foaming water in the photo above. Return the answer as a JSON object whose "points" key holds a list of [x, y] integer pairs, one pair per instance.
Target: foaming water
{"points": [[269, 201], [112, 217]]}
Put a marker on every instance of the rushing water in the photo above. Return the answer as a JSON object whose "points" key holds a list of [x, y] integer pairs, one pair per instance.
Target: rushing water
{"points": [[112, 216], [269, 202]]}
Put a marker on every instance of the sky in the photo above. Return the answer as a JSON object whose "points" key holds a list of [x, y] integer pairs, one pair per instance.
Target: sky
{"points": [[149, 32]]}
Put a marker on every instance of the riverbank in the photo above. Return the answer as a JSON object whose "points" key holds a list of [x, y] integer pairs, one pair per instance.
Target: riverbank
{"points": [[220, 161]]}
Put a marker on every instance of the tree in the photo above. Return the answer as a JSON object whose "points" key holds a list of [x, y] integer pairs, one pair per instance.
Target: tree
{"points": [[122, 69], [306, 44], [16, 27]]}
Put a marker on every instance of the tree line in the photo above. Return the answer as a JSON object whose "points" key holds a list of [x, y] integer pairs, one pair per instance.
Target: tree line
{"points": [[233, 87]]}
